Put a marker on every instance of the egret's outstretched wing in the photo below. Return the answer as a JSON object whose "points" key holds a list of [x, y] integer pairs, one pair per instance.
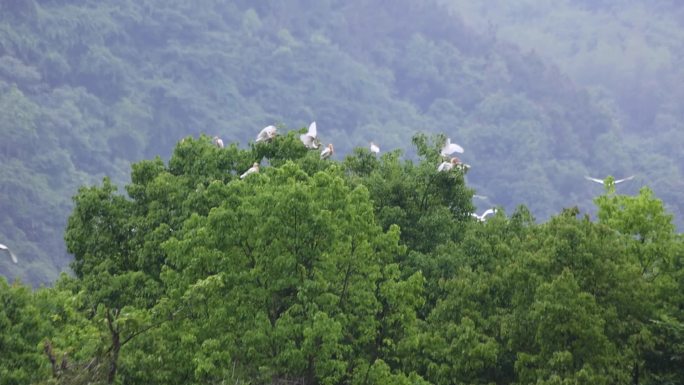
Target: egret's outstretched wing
{"points": [[488, 212], [624, 179], [597, 180], [312, 130], [14, 257], [449, 148]]}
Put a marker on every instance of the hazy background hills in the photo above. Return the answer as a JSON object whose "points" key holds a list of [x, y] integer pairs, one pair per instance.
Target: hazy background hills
{"points": [[539, 94]]}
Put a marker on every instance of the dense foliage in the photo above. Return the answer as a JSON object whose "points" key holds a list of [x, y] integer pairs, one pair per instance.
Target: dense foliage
{"points": [[89, 86], [366, 271]]}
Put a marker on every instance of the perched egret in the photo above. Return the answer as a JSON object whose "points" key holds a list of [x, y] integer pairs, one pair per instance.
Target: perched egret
{"points": [[449, 148], [218, 142], [482, 217], [374, 148], [267, 133], [309, 139], [327, 151], [603, 181], [14, 257], [252, 170], [447, 166]]}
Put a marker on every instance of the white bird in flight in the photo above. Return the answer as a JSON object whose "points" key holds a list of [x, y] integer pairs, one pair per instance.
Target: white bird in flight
{"points": [[14, 257], [374, 148], [482, 217], [267, 133], [603, 181], [327, 151], [252, 170], [309, 139], [218, 142], [447, 166], [449, 148]]}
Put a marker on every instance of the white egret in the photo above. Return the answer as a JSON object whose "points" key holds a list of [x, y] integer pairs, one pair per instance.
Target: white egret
{"points": [[267, 133], [14, 257], [447, 166], [252, 170], [327, 151], [449, 148], [482, 217], [603, 181], [309, 139], [218, 142], [374, 148]]}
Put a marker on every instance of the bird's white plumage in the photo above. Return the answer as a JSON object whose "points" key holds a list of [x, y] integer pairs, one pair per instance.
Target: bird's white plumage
{"points": [[597, 180], [482, 217], [251, 170], [374, 148], [448, 166], [450, 148], [327, 151], [624, 179], [445, 166], [603, 181], [267, 133], [309, 139], [14, 257], [218, 142]]}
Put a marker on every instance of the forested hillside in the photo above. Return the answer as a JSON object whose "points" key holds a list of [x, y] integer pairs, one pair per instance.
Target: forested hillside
{"points": [[89, 86], [369, 270], [628, 54]]}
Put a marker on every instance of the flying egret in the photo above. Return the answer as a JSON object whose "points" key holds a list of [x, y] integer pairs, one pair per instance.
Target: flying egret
{"points": [[374, 148], [603, 181], [449, 148], [327, 151], [252, 170], [447, 166], [309, 139], [267, 133], [482, 217], [14, 257], [218, 142]]}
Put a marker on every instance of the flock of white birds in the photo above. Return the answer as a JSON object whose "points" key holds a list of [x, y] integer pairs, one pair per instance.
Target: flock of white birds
{"points": [[310, 141]]}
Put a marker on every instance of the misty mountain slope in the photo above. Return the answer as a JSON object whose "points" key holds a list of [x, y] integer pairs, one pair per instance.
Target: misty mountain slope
{"points": [[628, 54], [98, 84]]}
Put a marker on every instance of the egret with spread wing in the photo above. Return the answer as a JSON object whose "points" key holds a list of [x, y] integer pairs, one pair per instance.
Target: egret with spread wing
{"points": [[309, 139], [603, 181], [482, 217]]}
